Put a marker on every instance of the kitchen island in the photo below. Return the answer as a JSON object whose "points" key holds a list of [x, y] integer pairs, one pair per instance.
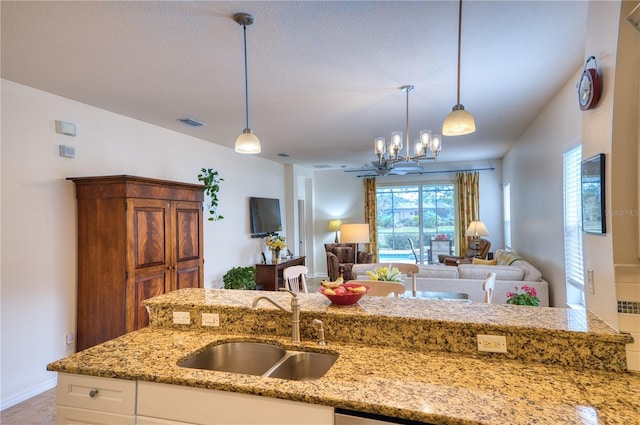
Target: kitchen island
{"points": [[403, 373]]}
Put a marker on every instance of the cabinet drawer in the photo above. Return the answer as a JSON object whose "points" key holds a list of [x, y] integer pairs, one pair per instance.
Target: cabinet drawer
{"points": [[203, 406], [103, 394], [73, 416]]}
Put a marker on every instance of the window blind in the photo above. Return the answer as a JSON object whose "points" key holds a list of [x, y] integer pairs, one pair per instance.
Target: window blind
{"points": [[573, 255]]}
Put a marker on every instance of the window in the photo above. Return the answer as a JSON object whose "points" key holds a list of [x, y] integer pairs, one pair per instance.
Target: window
{"points": [[573, 258], [413, 214], [507, 215]]}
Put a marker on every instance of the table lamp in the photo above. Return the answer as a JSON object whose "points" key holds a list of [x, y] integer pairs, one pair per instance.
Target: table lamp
{"points": [[475, 230], [355, 233], [334, 226]]}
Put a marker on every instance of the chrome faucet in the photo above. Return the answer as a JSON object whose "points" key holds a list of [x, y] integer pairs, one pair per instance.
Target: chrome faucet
{"points": [[295, 312]]}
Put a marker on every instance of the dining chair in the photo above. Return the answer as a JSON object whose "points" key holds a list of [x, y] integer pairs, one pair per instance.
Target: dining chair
{"points": [[410, 270], [488, 285], [294, 278], [381, 288]]}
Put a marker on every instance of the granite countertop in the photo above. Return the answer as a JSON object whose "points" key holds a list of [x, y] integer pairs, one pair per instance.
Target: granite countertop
{"points": [[403, 358], [434, 387]]}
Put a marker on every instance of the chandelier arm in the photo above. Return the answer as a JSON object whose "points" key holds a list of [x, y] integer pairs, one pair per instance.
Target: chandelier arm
{"points": [[406, 128]]}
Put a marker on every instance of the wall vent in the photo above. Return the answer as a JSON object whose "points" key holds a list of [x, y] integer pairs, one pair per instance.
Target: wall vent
{"points": [[192, 122]]}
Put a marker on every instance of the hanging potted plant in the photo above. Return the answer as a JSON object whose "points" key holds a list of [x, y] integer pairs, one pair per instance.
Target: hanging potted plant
{"points": [[211, 181]]}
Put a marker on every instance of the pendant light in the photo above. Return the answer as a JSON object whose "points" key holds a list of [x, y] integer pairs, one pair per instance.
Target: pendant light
{"points": [[459, 122], [247, 142]]}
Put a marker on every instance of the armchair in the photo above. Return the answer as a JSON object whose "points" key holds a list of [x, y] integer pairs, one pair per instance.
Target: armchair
{"points": [[341, 258], [481, 251]]}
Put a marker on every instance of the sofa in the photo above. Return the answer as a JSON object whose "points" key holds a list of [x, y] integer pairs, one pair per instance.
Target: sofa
{"points": [[341, 258], [511, 272]]}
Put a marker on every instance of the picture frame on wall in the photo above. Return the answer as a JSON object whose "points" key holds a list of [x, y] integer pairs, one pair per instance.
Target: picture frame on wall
{"points": [[593, 191]]}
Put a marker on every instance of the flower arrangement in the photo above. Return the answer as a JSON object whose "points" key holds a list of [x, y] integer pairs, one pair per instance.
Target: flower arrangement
{"points": [[527, 298], [276, 243], [386, 273]]}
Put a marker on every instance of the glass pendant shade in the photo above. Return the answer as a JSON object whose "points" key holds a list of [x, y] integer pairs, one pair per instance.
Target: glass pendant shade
{"points": [[248, 142], [379, 146], [458, 123]]}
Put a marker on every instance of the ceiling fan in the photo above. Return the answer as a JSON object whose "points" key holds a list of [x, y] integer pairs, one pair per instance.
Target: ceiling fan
{"points": [[387, 167]]}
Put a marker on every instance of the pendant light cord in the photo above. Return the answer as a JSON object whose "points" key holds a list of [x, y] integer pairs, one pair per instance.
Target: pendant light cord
{"points": [[459, 46], [246, 79]]}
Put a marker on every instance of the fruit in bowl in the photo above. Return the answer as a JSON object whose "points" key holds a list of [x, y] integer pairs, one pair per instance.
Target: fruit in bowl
{"points": [[345, 294]]}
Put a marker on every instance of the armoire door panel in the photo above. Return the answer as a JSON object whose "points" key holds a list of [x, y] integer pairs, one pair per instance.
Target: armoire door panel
{"points": [[188, 222], [150, 227], [142, 288], [189, 277]]}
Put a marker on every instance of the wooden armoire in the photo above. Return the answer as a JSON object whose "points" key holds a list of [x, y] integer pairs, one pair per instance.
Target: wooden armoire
{"points": [[137, 238]]}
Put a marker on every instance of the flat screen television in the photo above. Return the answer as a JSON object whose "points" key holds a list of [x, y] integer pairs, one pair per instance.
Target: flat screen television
{"points": [[265, 216]]}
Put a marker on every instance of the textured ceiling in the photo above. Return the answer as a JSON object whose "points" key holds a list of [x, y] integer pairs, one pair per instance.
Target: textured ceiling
{"points": [[324, 77]]}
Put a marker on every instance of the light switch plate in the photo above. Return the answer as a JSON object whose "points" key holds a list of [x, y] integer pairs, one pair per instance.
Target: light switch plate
{"points": [[181, 318]]}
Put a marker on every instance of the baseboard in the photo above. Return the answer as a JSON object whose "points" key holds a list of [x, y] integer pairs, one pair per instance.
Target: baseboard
{"points": [[28, 393]]}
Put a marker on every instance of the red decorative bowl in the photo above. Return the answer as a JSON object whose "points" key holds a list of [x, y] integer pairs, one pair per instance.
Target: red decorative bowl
{"points": [[349, 297]]}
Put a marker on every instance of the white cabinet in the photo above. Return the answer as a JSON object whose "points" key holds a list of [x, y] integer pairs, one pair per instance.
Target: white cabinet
{"points": [[85, 399], [203, 406]]}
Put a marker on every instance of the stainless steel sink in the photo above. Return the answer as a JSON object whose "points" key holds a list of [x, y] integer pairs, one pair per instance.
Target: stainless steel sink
{"points": [[303, 366], [267, 360], [251, 358]]}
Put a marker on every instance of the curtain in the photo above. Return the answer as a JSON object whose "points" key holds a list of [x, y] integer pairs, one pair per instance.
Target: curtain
{"points": [[468, 196], [371, 215]]}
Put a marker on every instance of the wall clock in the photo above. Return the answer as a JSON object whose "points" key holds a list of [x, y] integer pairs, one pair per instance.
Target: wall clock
{"points": [[589, 86]]}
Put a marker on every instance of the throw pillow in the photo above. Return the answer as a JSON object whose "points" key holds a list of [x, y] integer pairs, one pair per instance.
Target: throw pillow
{"points": [[508, 258], [493, 262]]}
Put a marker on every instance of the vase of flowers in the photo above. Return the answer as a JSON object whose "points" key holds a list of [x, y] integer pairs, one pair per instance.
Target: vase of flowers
{"points": [[276, 243], [387, 274], [526, 297]]}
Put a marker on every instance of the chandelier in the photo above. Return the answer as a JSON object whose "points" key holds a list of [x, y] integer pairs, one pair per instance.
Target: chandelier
{"points": [[424, 148]]}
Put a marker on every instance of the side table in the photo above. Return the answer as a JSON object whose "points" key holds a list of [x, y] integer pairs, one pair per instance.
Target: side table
{"points": [[269, 275]]}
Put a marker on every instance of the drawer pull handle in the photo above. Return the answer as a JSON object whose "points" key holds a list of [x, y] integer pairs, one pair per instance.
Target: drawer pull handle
{"points": [[93, 393]]}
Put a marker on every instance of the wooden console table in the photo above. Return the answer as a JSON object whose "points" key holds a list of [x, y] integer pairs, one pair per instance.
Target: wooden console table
{"points": [[269, 276]]}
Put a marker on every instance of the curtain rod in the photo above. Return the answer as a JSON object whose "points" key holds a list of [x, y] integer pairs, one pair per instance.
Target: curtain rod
{"points": [[433, 172]]}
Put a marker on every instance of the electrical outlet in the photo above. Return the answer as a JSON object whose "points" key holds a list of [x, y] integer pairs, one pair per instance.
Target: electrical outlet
{"points": [[181, 318], [590, 287], [68, 341], [210, 319], [492, 343]]}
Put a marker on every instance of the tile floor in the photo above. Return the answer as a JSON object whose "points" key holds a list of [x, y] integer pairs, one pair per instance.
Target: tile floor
{"points": [[38, 410]]}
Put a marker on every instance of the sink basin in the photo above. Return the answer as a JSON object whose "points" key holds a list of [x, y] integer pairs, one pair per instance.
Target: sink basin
{"points": [[251, 358], [303, 366], [257, 358]]}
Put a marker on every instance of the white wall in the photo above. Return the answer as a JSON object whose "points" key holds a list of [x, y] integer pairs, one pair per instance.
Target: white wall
{"points": [[341, 195], [533, 167], [38, 286]]}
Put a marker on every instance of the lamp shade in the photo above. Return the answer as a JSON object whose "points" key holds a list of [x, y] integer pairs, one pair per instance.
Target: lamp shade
{"points": [[334, 225], [458, 123], [354, 233], [477, 228], [247, 142]]}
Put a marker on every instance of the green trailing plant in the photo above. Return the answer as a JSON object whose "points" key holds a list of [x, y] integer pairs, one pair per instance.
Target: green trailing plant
{"points": [[211, 181], [240, 278]]}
